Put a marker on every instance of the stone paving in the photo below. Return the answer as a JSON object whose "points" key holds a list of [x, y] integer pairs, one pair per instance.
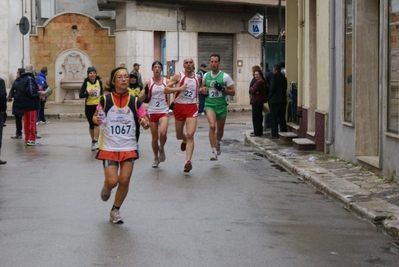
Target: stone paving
{"points": [[359, 190]]}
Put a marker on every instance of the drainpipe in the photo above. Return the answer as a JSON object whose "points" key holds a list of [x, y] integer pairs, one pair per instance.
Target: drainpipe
{"points": [[33, 16], [163, 45], [23, 40], [264, 42], [331, 108], [178, 35]]}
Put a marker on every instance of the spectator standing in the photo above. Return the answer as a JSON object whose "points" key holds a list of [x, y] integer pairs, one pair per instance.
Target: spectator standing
{"points": [[253, 81], [28, 90], [42, 81], [134, 90], [17, 110], [201, 97], [136, 70], [3, 107], [268, 76], [258, 95], [217, 85], [278, 101], [118, 146], [282, 64], [91, 90]]}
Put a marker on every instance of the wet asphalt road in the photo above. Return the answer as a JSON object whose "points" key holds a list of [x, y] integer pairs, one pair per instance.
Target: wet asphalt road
{"points": [[239, 211]]}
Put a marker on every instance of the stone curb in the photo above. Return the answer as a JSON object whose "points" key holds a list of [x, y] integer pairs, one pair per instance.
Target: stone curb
{"points": [[377, 211]]}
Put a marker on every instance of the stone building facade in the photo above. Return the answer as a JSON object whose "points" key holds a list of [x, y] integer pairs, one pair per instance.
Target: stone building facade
{"points": [[343, 56]]}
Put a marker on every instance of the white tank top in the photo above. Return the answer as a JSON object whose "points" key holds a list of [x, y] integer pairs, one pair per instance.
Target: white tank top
{"points": [[120, 130], [189, 96], [158, 99]]}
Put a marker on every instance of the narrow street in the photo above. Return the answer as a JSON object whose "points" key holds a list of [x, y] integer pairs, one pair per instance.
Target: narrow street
{"points": [[241, 210]]}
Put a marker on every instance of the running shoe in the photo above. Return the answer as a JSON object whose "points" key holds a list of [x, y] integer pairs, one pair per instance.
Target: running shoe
{"points": [[31, 143], [115, 217], [214, 156], [188, 166], [218, 148], [162, 156], [155, 163], [96, 146], [16, 137], [183, 146], [93, 146], [105, 193]]}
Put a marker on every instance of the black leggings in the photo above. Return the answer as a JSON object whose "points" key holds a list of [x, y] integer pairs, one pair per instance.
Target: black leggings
{"points": [[89, 112]]}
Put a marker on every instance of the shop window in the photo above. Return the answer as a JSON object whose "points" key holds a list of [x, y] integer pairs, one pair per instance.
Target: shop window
{"points": [[393, 91], [348, 61]]}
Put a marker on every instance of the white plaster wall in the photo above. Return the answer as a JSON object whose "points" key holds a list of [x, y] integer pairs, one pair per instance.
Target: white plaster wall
{"points": [[343, 134], [188, 47], [322, 13], [248, 49], [306, 58], [4, 41], [291, 51], [11, 53], [165, 19], [83, 6], [135, 46]]}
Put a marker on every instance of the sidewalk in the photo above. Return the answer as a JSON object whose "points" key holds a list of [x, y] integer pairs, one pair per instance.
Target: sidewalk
{"points": [[358, 190]]}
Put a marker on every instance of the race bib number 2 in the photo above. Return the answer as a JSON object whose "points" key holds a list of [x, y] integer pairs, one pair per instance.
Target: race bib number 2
{"points": [[156, 103]]}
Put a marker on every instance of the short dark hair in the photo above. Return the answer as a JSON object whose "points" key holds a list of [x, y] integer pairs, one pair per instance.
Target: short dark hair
{"points": [[43, 70], [215, 55], [156, 62], [277, 67]]}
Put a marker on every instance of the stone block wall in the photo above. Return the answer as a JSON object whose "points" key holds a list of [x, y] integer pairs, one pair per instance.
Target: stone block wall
{"points": [[72, 31]]}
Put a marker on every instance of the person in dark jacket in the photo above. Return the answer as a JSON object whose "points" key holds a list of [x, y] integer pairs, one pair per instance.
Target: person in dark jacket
{"points": [[42, 81], [268, 76], [258, 95], [278, 101], [28, 92], [17, 110], [3, 105], [201, 97]]}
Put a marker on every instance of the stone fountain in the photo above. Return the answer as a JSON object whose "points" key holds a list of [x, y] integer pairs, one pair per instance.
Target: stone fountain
{"points": [[73, 69]]}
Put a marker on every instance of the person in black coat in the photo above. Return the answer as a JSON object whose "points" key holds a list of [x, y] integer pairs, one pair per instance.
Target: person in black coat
{"points": [[17, 110], [28, 93], [3, 106], [258, 97], [278, 101]]}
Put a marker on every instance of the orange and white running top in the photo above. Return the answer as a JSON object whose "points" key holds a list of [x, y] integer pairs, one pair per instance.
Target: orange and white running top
{"points": [[119, 133], [189, 96]]}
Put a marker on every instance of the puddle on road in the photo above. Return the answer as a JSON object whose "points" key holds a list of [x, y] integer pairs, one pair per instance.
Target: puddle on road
{"points": [[278, 167]]}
